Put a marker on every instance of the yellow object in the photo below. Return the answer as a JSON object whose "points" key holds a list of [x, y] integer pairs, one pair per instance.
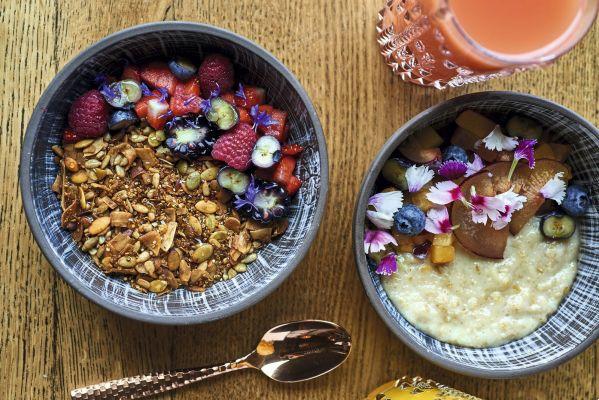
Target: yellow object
{"points": [[543, 150], [417, 389], [476, 123], [443, 239], [419, 198], [442, 254]]}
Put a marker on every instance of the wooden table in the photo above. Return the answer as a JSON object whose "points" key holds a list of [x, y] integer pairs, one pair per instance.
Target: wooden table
{"points": [[52, 339]]}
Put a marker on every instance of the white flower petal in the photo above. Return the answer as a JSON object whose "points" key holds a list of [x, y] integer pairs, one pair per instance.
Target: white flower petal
{"points": [[474, 166], [436, 219], [496, 140], [417, 177], [387, 202], [444, 193], [555, 188], [380, 220]]}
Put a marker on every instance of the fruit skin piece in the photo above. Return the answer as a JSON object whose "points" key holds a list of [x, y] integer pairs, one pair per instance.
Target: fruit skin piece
{"points": [[577, 201], [557, 226], [561, 151], [131, 72], [186, 99], [88, 116], [523, 128], [159, 75], [235, 147], [476, 123], [455, 153], [278, 129], [442, 254], [216, 73], [122, 119], [480, 239], [267, 152], [182, 68], [394, 171], [409, 220], [531, 181], [233, 180], [190, 137], [222, 114], [292, 149]]}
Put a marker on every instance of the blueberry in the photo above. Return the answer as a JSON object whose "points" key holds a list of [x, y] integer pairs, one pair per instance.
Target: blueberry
{"points": [[182, 68], [409, 220], [577, 200], [455, 153], [190, 137], [122, 119]]}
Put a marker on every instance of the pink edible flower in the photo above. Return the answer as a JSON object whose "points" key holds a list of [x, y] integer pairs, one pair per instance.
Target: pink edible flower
{"points": [[524, 151], [512, 202], [385, 205], [484, 207], [452, 169], [375, 241], [474, 166], [555, 188], [417, 177], [437, 221], [496, 140], [388, 265], [444, 193]]}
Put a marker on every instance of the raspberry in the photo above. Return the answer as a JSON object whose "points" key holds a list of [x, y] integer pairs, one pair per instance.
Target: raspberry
{"points": [[235, 146], [216, 73], [88, 116]]}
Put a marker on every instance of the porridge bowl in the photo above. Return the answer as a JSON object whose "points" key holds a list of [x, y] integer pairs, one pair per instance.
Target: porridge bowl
{"points": [[486, 300], [172, 174]]}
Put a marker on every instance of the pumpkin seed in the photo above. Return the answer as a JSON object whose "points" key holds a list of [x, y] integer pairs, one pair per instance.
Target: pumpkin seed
{"points": [[202, 253], [83, 143], [93, 163], [193, 180], [250, 258], [182, 166], [241, 267], [79, 177], [127, 262], [157, 286], [71, 164], [209, 174], [206, 206], [99, 225]]}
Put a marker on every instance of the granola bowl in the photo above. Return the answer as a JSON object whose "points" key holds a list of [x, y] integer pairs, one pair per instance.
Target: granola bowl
{"points": [[269, 263], [434, 300]]}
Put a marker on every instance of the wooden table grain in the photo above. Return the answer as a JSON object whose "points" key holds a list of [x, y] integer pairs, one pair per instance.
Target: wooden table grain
{"points": [[53, 340]]}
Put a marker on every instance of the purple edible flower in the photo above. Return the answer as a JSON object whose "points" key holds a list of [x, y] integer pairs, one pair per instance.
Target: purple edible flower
{"points": [[206, 105], [240, 92], [261, 117], [216, 92], [452, 169], [109, 92], [524, 151], [388, 265], [249, 195], [163, 94], [168, 114], [145, 90], [190, 99]]}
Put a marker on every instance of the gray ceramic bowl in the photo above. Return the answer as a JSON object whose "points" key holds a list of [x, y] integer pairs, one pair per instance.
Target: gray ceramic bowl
{"points": [[575, 325], [255, 66]]}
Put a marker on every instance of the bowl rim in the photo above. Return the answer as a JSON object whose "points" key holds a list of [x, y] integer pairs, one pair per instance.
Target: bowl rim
{"points": [[50, 91], [358, 226]]}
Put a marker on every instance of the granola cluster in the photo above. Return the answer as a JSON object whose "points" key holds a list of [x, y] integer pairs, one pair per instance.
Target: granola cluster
{"points": [[159, 222]]}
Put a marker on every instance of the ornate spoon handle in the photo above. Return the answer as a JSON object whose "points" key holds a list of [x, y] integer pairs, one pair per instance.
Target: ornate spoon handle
{"points": [[140, 386]]}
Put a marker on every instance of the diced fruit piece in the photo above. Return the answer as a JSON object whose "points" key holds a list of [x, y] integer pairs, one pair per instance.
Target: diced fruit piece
{"points": [[131, 72], [233, 180], [442, 254], [229, 97], [475, 123], [428, 138], [455, 153], [293, 185], [186, 99], [284, 170], [409, 220], [557, 226], [122, 119], [88, 116], [543, 150], [223, 114], [182, 68], [405, 248], [265, 174], [419, 198], [531, 181], [421, 250], [577, 201], [420, 155], [561, 151], [422, 238], [216, 74], [190, 138], [480, 239], [463, 138], [395, 172], [244, 116], [292, 149], [159, 75], [278, 128], [235, 146], [158, 113], [524, 128], [253, 96], [267, 152], [443, 239]]}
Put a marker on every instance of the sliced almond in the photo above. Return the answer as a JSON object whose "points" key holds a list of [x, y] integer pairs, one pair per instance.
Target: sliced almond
{"points": [[120, 218], [169, 236], [152, 241]]}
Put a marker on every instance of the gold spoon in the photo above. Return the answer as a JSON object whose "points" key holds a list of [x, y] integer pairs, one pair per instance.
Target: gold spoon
{"points": [[291, 352]]}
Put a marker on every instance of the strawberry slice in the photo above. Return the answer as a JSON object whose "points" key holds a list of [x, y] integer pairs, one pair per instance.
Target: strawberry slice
{"points": [[284, 170], [244, 116], [141, 107], [229, 97], [278, 129], [293, 185], [159, 75], [186, 99], [158, 113], [131, 72], [292, 150], [252, 96]]}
